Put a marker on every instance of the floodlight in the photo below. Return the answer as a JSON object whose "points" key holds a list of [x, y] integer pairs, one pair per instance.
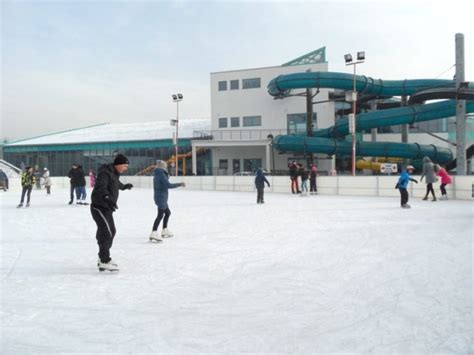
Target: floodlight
{"points": [[360, 55], [348, 58], [174, 97], [180, 96]]}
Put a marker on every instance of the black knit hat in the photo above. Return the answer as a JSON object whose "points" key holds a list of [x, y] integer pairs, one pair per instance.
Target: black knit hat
{"points": [[120, 159]]}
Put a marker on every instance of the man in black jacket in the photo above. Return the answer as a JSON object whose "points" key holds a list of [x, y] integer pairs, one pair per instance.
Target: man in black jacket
{"points": [[104, 203]]}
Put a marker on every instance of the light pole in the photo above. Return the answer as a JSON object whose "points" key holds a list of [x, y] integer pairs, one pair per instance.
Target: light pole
{"points": [[176, 98], [353, 98]]}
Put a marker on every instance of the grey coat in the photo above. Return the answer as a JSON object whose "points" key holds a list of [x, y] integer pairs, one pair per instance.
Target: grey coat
{"points": [[428, 171]]}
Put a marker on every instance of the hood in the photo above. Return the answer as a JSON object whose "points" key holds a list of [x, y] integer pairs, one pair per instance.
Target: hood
{"points": [[426, 160]]}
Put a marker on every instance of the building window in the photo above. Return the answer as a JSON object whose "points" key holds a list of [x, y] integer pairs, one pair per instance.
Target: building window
{"points": [[252, 121], [235, 121], [253, 83], [223, 122], [234, 85], [222, 85], [296, 123], [252, 164]]}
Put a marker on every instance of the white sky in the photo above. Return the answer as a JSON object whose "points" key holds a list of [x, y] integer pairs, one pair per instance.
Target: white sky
{"points": [[319, 274], [72, 64]]}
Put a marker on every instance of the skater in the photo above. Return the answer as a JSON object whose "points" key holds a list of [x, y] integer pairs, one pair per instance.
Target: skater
{"points": [[37, 175], [47, 181], [293, 170], [402, 185], [260, 181], [161, 185], [104, 203], [445, 180], [304, 180], [312, 180], [429, 173], [92, 178], [28, 179], [71, 175], [80, 186], [4, 180]]}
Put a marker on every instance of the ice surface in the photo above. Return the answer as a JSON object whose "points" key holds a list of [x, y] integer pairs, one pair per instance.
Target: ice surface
{"points": [[319, 274]]}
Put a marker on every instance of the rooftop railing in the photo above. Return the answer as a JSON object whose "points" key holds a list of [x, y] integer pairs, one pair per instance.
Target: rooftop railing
{"points": [[254, 134]]}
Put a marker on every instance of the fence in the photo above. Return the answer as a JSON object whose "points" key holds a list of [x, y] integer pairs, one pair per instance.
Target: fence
{"points": [[460, 189]]}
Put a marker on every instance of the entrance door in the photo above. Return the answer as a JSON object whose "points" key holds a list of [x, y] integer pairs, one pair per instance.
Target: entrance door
{"points": [[235, 166]]}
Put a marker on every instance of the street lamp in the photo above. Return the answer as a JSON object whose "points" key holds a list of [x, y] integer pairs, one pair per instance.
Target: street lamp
{"points": [[353, 98], [176, 98]]}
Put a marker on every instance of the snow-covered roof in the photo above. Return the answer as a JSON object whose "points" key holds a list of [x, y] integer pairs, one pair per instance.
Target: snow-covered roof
{"points": [[115, 132]]}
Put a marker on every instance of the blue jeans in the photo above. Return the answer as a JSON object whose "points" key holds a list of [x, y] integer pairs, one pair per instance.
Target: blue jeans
{"points": [[80, 193]]}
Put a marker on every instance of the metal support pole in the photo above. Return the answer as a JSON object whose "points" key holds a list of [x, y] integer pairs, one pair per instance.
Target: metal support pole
{"points": [[354, 110], [309, 122], [405, 128], [176, 146], [460, 109]]}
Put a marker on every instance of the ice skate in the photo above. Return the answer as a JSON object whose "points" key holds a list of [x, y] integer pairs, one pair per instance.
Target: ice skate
{"points": [[434, 199], [110, 266], [28, 204], [166, 233], [155, 237], [443, 198], [19, 206], [425, 198], [406, 205]]}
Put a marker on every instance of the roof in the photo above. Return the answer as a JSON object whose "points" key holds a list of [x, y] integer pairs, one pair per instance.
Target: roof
{"points": [[314, 57], [117, 132]]}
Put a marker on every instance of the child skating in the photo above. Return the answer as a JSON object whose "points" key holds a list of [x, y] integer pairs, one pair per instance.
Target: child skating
{"points": [[260, 181], [402, 185]]}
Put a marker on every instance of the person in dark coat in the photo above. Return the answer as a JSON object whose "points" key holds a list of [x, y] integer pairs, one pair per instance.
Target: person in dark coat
{"points": [[312, 180], [293, 169], [260, 181], [70, 175], [28, 179], [80, 185], [104, 202], [161, 185]]}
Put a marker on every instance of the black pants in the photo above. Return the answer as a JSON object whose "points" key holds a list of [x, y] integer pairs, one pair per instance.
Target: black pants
{"points": [[429, 188], [403, 196], [72, 192], [162, 212], [260, 194], [105, 231], [312, 185], [48, 190], [443, 189], [26, 190]]}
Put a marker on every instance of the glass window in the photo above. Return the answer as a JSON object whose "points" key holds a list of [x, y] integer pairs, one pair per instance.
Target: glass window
{"points": [[234, 85], [235, 121], [252, 164], [296, 123], [223, 122], [251, 83], [223, 164], [222, 85], [252, 121]]}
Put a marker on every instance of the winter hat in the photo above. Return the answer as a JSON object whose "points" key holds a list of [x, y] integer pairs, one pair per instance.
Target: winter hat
{"points": [[410, 167], [161, 164], [120, 159]]}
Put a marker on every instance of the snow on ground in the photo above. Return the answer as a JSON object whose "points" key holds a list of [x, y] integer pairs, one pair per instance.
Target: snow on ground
{"points": [[317, 274]]}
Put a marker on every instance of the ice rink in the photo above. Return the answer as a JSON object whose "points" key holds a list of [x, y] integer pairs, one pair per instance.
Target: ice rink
{"points": [[316, 274]]}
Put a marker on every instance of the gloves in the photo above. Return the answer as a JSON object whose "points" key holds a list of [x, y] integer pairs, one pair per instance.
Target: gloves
{"points": [[127, 186], [182, 184], [416, 182], [112, 205]]}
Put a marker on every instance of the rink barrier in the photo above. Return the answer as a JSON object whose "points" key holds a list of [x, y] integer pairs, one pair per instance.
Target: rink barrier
{"points": [[460, 189]]}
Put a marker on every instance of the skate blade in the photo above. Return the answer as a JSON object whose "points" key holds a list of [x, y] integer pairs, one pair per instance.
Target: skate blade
{"points": [[153, 240], [101, 269], [167, 236]]}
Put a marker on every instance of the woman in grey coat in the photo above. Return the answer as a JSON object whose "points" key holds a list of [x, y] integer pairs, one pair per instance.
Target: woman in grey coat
{"points": [[161, 185], [430, 175]]}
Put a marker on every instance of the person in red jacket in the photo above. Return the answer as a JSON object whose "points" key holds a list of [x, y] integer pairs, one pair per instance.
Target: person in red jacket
{"points": [[445, 180]]}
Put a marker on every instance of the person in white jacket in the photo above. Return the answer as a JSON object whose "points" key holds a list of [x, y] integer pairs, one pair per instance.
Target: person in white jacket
{"points": [[47, 181]]}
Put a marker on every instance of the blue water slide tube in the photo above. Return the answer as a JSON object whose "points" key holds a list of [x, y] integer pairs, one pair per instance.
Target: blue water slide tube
{"points": [[299, 144], [395, 116], [281, 85]]}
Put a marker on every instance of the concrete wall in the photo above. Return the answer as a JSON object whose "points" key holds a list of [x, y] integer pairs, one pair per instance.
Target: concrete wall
{"points": [[461, 188]]}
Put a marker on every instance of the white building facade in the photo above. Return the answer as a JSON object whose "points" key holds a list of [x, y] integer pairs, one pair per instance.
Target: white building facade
{"points": [[244, 117]]}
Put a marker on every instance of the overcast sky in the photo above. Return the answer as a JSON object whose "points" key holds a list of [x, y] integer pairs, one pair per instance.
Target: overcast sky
{"points": [[70, 64]]}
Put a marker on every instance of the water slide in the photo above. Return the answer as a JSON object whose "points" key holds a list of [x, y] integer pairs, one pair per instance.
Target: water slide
{"points": [[326, 140]]}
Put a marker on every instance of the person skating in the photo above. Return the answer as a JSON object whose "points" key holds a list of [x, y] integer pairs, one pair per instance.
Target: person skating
{"points": [[47, 181], [260, 181], [430, 177], [80, 186], [293, 170], [104, 202], [402, 185], [161, 185], [92, 178], [445, 180], [72, 187], [313, 189], [28, 179], [304, 180]]}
